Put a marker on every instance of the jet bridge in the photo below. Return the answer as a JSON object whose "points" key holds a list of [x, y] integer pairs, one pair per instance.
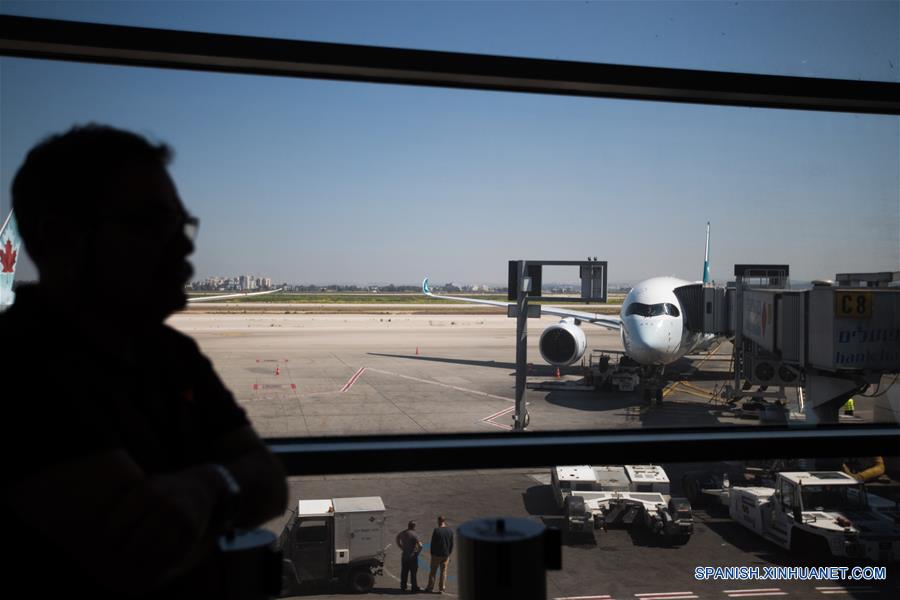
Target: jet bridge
{"points": [[830, 341]]}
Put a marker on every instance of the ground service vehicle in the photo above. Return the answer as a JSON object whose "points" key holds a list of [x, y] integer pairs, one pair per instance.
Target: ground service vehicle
{"points": [[337, 540], [599, 497], [817, 512]]}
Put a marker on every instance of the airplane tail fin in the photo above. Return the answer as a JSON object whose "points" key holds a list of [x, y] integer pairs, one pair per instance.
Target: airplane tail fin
{"points": [[9, 250], [706, 257]]}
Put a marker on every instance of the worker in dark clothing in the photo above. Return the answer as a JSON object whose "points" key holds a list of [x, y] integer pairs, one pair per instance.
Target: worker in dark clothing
{"points": [[125, 458], [441, 547], [410, 546]]}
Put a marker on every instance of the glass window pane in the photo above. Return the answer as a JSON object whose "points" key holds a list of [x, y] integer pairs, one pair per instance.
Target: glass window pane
{"points": [[362, 190]]}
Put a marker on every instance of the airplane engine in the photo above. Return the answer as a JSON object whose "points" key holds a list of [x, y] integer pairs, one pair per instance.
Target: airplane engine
{"points": [[563, 343]]}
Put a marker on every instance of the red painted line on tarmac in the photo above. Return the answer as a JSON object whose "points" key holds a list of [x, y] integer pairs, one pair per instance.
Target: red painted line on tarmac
{"points": [[490, 420], [498, 425], [499, 413], [353, 379]]}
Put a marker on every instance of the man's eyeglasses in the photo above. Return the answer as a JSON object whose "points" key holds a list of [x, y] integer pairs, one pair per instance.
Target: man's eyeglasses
{"points": [[190, 227]]}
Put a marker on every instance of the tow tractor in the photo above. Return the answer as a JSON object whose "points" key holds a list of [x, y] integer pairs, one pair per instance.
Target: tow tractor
{"points": [[603, 496], [333, 540], [817, 512], [623, 374]]}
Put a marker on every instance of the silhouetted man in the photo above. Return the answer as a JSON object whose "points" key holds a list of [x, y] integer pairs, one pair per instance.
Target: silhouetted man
{"points": [[125, 457]]}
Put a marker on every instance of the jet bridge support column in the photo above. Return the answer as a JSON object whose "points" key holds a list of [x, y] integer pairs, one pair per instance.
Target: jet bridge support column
{"points": [[520, 418], [825, 395]]}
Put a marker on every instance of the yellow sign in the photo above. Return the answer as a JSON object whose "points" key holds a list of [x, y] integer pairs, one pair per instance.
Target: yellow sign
{"points": [[853, 305]]}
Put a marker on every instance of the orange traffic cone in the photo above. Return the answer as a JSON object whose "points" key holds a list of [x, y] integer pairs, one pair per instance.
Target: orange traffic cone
{"points": [[557, 372], [278, 370], [417, 350]]}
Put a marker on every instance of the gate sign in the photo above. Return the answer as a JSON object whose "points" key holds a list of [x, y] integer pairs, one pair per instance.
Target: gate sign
{"points": [[853, 305], [9, 255]]}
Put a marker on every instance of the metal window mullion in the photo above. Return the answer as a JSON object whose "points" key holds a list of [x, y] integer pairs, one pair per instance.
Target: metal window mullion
{"points": [[139, 46], [373, 454]]}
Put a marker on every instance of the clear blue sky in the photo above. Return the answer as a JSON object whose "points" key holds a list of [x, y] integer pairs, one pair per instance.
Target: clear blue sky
{"points": [[312, 181]]}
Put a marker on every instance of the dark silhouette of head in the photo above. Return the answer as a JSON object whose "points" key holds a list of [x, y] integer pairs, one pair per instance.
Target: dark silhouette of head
{"points": [[102, 220], [441, 521], [411, 525]]}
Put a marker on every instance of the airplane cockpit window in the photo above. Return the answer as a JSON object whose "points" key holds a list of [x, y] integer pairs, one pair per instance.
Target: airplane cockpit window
{"points": [[652, 310]]}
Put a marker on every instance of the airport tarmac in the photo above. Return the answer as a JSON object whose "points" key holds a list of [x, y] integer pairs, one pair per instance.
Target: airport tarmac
{"points": [[617, 564], [340, 374]]}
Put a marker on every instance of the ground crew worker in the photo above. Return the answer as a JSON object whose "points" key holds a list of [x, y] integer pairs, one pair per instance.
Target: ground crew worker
{"points": [[410, 546], [848, 407], [441, 547]]}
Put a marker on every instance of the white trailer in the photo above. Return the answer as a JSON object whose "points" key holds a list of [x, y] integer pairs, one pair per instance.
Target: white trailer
{"points": [[817, 512], [338, 539], [625, 495]]}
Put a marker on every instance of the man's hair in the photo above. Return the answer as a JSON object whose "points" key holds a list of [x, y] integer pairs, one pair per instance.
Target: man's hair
{"points": [[411, 525], [441, 520], [65, 175]]}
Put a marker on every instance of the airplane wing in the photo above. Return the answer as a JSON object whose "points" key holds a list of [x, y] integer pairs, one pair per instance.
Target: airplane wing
{"points": [[607, 321], [225, 296]]}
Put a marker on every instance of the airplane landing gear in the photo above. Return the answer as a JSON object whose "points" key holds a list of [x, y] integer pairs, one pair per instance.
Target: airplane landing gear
{"points": [[653, 396], [652, 384]]}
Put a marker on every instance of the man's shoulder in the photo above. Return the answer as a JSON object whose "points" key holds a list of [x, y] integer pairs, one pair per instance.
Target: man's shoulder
{"points": [[178, 347], [22, 341], [169, 335]]}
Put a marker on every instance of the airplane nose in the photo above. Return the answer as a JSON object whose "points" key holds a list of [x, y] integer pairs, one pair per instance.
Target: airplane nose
{"points": [[649, 340]]}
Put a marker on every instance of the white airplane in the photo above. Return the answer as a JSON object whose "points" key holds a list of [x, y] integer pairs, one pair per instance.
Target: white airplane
{"points": [[651, 322]]}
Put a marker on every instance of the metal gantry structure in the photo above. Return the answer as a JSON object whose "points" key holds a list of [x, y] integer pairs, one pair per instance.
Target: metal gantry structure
{"points": [[525, 287]]}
